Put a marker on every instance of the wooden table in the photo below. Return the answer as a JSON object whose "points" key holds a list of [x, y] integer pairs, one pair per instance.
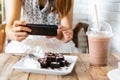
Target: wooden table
{"points": [[82, 70]]}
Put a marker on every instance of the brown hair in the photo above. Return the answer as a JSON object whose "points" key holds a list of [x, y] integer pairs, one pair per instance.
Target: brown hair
{"points": [[63, 7]]}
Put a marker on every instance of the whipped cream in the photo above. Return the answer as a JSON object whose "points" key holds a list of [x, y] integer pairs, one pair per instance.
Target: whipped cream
{"points": [[31, 63], [40, 55]]}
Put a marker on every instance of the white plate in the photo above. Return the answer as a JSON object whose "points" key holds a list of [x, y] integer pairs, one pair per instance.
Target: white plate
{"points": [[63, 71], [114, 74]]}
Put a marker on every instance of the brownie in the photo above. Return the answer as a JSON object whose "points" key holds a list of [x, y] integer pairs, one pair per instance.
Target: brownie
{"points": [[43, 62], [50, 57], [44, 65], [55, 65], [63, 63], [59, 57], [53, 60], [49, 54]]}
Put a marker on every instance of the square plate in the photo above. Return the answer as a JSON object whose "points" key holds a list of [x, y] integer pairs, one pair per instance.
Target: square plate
{"points": [[60, 71]]}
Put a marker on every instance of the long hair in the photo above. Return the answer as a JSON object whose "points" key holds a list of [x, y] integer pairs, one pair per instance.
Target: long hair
{"points": [[62, 7]]}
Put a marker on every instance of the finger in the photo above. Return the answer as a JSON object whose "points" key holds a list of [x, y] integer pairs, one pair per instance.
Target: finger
{"points": [[21, 34], [67, 39], [17, 23], [67, 33], [59, 35], [21, 29], [67, 36], [49, 36], [20, 38], [62, 28]]}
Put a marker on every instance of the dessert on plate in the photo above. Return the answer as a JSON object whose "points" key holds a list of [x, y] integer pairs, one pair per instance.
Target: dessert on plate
{"points": [[53, 60]]}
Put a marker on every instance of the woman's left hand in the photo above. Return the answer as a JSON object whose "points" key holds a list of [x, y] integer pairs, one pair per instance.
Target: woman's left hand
{"points": [[65, 34]]}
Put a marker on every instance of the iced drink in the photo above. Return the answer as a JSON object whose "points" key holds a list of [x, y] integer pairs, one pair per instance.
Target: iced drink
{"points": [[99, 42], [98, 48]]}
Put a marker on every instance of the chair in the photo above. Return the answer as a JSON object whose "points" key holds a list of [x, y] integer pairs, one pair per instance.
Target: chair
{"points": [[2, 37], [80, 26], [2, 27]]}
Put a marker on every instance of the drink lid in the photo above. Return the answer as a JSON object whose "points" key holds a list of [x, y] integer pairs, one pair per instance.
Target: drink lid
{"points": [[101, 29]]}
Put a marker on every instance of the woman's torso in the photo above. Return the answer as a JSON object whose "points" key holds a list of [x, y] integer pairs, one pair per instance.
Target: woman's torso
{"points": [[33, 14]]}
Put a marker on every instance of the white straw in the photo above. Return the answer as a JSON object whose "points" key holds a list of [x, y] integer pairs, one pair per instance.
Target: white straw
{"points": [[96, 14]]}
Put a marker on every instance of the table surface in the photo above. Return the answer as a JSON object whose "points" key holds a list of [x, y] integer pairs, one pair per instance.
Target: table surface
{"points": [[81, 71]]}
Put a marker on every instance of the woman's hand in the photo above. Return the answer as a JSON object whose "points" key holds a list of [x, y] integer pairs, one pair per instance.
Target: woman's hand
{"points": [[65, 34], [20, 32]]}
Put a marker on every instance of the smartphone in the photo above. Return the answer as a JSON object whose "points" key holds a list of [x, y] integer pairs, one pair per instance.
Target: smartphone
{"points": [[42, 29]]}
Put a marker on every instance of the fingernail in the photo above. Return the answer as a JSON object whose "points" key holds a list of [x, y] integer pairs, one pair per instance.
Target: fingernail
{"points": [[30, 30]]}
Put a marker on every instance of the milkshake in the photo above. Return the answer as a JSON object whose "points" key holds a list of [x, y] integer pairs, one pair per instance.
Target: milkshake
{"points": [[99, 42], [98, 48]]}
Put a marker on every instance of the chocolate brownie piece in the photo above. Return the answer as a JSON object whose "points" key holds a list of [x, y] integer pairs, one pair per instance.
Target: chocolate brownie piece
{"points": [[59, 57], [55, 65], [43, 62], [64, 63], [53, 60]]}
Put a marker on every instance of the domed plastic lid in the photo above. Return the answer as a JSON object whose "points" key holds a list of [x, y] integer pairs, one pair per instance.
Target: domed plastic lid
{"points": [[101, 29]]}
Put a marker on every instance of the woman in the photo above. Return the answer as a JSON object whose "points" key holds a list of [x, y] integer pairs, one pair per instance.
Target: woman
{"points": [[55, 12]]}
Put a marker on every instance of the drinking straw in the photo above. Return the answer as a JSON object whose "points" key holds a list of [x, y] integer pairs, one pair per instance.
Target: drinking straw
{"points": [[96, 14]]}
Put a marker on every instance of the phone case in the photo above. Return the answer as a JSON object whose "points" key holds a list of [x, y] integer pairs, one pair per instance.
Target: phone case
{"points": [[42, 29]]}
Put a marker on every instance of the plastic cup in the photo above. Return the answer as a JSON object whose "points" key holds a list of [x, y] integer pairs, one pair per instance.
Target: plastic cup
{"points": [[99, 42]]}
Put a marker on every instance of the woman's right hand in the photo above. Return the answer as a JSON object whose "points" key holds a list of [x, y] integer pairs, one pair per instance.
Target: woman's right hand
{"points": [[20, 32]]}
